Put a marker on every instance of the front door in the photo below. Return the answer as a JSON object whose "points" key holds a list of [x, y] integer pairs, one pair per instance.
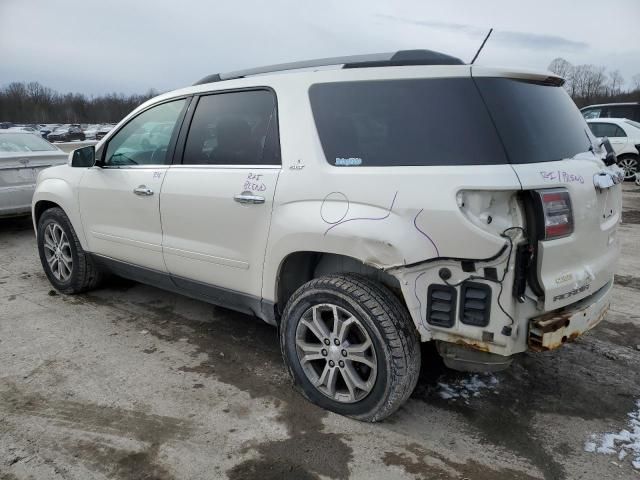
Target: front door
{"points": [[120, 197], [216, 205]]}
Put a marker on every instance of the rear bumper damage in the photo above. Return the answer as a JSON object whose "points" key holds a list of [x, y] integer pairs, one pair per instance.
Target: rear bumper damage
{"points": [[489, 345], [553, 329]]}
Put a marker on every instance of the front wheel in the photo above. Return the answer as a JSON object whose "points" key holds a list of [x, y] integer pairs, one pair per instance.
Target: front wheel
{"points": [[350, 346], [66, 264]]}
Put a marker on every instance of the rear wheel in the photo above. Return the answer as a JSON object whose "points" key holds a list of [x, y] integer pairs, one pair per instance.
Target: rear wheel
{"points": [[66, 264], [629, 164], [350, 346]]}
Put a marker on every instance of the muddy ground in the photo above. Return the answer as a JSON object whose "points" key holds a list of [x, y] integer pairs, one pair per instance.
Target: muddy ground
{"points": [[130, 382]]}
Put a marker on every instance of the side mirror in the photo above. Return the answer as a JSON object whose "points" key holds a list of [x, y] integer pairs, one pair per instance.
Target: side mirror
{"points": [[610, 158], [83, 157]]}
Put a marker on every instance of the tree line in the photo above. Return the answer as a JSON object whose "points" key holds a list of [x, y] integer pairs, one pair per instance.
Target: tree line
{"points": [[589, 84], [34, 103]]}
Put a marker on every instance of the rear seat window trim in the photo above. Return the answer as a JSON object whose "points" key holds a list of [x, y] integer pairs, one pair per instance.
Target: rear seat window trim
{"points": [[178, 158]]}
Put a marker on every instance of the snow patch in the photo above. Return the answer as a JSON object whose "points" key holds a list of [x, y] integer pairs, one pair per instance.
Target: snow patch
{"points": [[467, 388], [625, 442]]}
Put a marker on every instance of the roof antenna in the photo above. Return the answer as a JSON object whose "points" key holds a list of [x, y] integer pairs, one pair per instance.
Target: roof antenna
{"points": [[481, 46]]}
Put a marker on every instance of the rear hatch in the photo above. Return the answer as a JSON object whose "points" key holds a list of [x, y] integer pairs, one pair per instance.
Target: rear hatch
{"points": [[552, 151]]}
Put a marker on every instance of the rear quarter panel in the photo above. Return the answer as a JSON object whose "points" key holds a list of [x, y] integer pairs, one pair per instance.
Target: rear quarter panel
{"points": [[383, 216]]}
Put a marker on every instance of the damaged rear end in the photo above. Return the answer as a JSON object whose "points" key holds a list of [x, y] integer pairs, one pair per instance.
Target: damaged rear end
{"points": [[551, 279]]}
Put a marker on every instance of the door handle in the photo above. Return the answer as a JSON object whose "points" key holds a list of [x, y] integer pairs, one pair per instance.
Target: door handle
{"points": [[248, 198], [143, 191]]}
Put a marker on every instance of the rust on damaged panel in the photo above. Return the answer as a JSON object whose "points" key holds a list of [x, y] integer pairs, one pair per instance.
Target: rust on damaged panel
{"points": [[552, 330]]}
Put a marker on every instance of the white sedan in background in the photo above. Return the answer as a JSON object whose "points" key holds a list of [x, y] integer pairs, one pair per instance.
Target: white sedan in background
{"points": [[624, 136], [22, 156]]}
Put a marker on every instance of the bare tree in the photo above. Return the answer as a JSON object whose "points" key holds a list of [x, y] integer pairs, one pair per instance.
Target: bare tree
{"points": [[35, 103], [635, 81], [561, 67], [564, 69], [615, 82]]}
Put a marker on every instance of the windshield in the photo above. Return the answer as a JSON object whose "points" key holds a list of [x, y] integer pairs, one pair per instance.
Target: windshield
{"points": [[21, 142], [536, 122]]}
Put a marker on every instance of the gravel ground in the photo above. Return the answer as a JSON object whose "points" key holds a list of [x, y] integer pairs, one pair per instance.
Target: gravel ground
{"points": [[130, 382]]}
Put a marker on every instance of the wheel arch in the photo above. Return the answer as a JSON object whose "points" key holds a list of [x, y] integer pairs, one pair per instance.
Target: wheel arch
{"points": [[52, 193], [299, 267]]}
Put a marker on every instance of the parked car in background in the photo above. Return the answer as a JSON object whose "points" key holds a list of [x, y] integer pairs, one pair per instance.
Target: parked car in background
{"points": [[23, 128], [44, 131], [624, 135], [66, 134], [91, 131], [103, 130], [22, 156], [370, 227], [630, 110]]}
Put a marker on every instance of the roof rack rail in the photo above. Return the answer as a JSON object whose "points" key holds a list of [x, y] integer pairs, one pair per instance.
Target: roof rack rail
{"points": [[390, 59]]}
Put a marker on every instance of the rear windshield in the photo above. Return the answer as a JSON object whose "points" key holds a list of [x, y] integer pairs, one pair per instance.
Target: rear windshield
{"points": [[23, 142], [537, 123], [404, 122], [445, 121]]}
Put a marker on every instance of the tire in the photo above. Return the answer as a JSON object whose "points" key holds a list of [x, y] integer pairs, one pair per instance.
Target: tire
{"points": [[371, 312], [630, 164], [78, 275]]}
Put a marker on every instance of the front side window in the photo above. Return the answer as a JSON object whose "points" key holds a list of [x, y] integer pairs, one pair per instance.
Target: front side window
{"points": [[234, 128], [145, 139]]}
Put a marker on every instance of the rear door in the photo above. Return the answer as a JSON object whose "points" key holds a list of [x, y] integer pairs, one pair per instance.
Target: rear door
{"points": [[550, 147], [216, 205], [120, 198]]}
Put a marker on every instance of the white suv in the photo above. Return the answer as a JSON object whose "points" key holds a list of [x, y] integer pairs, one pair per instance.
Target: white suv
{"points": [[363, 208]]}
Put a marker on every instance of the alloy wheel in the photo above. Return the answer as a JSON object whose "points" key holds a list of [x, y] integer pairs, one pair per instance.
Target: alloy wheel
{"points": [[336, 353], [630, 167], [57, 251]]}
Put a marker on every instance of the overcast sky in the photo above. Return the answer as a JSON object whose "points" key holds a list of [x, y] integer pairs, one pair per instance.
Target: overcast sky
{"points": [[130, 46]]}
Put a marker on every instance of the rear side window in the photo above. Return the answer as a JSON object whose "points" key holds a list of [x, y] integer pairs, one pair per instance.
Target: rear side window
{"points": [[620, 111], [537, 122], [404, 123], [606, 130], [235, 128]]}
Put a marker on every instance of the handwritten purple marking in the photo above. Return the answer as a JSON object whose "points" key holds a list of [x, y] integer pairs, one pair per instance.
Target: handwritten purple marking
{"points": [[561, 176], [415, 224], [253, 183], [366, 218]]}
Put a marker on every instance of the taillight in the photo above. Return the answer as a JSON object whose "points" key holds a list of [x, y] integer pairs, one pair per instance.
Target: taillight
{"points": [[557, 213]]}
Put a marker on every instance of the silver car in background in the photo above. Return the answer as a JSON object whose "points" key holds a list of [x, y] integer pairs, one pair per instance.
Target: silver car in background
{"points": [[22, 156]]}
